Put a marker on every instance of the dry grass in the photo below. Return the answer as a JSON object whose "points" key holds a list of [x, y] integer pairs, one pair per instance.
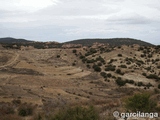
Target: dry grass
{"points": [[39, 77]]}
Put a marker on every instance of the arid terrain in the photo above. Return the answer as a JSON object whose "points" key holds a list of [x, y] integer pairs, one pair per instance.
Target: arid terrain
{"points": [[99, 75]]}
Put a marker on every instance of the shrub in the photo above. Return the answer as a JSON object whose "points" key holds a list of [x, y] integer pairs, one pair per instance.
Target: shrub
{"points": [[150, 55], [141, 48], [96, 68], [99, 64], [144, 74], [16, 102], [158, 67], [58, 56], [123, 66], [119, 55], [77, 113], [118, 71], [88, 66], [129, 81], [91, 51], [129, 59], [6, 109], [120, 82], [149, 85], [73, 64], [128, 62], [140, 84], [109, 75], [84, 60], [90, 61], [153, 76], [81, 57], [25, 110], [74, 51], [138, 63], [157, 59], [110, 68], [142, 55], [100, 59], [103, 74], [140, 102], [111, 61]]}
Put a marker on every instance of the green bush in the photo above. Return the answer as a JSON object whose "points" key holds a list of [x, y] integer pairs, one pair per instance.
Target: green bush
{"points": [[25, 110], [103, 74], [153, 76], [81, 57], [100, 59], [150, 55], [149, 85], [120, 82], [84, 60], [129, 81], [128, 62], [88, 66], [118, 71], [77, 113], [140, 84], [90, 52], [110, 68], [73, 64], [90, 61], [140, 102], [6, 110], [123, 66], [109, 75], [119, 55], [96, 68], [99, 64], [144, 74], [58, 56], [74, 51]]}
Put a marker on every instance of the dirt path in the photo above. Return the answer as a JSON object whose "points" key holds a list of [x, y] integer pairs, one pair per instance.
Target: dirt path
{"points": [[11, 62]]}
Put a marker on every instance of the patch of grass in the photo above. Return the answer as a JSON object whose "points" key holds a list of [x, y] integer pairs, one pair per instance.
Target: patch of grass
{"points": [[140, 102], [76, 113]]}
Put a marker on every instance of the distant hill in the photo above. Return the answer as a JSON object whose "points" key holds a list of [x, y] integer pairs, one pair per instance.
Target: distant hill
{"points": [[111, 41], [13, 40]]}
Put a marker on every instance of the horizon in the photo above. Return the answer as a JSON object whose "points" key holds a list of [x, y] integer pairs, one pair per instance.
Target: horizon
{"points": [[76, 39], [66, 20]]}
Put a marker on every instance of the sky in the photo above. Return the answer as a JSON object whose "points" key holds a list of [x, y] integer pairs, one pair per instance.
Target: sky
{"points": [[65, 20]]}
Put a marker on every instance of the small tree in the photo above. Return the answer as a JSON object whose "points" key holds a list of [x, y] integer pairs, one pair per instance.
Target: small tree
{"points": [[120, 82], [140, 102], [118, 71], [96, 68], [74, 51], [119, 55], [25, 110], [58, 56], [77, 113]]}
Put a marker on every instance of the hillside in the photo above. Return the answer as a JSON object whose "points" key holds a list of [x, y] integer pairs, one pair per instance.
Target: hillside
{"points": [[112, 42], [13, 40], [46, 80], [12, 43]]}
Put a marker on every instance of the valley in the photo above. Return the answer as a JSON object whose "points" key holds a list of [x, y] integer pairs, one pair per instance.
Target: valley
{"points": [[99, 75]]}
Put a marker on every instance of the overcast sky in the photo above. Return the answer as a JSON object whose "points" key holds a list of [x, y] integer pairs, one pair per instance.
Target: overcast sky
{"points": [[64, 20]]}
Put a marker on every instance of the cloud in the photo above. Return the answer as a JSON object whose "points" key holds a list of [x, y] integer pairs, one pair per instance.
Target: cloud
{"points": [[128, 19], [72, 19], [26, 5]]}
